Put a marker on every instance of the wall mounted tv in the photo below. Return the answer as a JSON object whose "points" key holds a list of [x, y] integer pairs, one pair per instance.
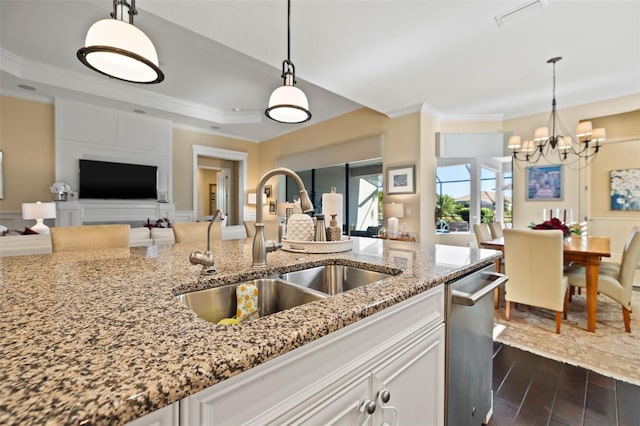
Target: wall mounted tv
{"points": [[103, 179]]}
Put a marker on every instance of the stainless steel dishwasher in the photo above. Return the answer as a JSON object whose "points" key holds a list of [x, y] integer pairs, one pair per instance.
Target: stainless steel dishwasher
{"points": [[469, 347]]}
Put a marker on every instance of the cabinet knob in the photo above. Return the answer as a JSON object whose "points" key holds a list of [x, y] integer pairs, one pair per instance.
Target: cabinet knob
{"points": [[384, 395], [368, 406]]}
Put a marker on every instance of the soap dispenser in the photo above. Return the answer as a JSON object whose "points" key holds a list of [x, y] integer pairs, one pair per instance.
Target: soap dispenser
{"points": [[334, 233]]}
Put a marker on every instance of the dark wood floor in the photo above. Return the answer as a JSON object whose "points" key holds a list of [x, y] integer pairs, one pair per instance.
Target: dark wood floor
{"points": [[532, 390]]}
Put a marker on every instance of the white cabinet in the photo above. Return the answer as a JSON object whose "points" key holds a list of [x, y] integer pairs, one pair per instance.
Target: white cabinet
{"points": [[167, 416], [75, 213], [331, 380]]}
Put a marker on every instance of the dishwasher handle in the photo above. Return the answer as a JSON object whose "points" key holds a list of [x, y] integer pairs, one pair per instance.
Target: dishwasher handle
{"points": [[466, 299]]}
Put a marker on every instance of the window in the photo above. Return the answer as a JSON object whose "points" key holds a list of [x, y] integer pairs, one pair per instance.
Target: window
{"points": [[472, 190], [360, 183]]}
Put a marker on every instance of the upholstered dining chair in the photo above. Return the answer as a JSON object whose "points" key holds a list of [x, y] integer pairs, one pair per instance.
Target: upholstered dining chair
{"points": [[271, 228], [614, 280], [482, 232], [88, 237], [496, 230], [534, 265], [191, 232]]}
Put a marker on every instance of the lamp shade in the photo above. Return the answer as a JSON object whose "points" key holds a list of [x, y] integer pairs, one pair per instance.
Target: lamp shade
{"points": [[515, 142], [394, 210], [540, 134], [38, 210], [120, 50], [288, 104], [583, 129]]}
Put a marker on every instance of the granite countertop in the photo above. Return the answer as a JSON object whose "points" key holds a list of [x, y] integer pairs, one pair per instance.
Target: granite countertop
{"points": [[100, 338]]}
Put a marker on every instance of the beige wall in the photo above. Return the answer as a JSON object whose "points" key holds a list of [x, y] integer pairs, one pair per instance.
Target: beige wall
{"points": [[27, 142], [183, 140]]}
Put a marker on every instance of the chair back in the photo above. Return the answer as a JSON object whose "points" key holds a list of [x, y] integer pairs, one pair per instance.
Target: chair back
{"points": [[271, 229], [630, 260], [534, 264], [496, 230], [192, 232], [483, 232], [88, 237]]}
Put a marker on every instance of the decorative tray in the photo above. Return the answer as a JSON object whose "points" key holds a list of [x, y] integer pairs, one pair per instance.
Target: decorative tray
{"points": [[345, 244]]}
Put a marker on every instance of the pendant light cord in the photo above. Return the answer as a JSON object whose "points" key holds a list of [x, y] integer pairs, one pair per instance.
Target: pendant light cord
{"points": [[289, 30]]}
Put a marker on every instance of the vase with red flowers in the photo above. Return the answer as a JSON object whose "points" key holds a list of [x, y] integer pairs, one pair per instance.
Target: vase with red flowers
{"points": [[553, 223]]}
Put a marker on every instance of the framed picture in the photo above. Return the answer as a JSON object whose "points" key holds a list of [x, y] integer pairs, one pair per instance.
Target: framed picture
{"points": [[268, 191], [273, 207], [544, 183], [625, 189], [401, 180]]}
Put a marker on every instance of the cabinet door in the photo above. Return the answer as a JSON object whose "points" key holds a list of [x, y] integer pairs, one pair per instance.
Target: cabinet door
{"points": [[167, 416], [337, 405], [414, 379]]}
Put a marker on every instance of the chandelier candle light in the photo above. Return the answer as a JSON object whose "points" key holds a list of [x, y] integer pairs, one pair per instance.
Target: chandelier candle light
{"points": [[568, 150], [117, 49], [287, 103]]}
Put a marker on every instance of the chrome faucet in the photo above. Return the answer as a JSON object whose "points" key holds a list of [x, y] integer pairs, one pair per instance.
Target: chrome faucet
{"points": [[206, 259], [260, 246]]}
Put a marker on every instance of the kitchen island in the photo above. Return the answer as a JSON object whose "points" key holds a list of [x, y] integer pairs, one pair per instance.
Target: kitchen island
{"points": [[100, 338]]}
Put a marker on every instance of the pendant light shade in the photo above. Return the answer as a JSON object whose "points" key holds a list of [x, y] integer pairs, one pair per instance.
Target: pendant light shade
{"points": [[288, 104], [119, 50]]}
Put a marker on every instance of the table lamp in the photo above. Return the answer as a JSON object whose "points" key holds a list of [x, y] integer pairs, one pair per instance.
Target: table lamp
{"points": [[39, 211], [393, 211]]}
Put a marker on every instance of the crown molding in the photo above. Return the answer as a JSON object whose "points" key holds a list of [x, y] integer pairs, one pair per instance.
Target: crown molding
{"points": [[209, 132], [27, 96], [473, 117]]}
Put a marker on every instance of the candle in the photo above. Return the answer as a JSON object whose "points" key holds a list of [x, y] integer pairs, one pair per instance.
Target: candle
{"points": [[564, 217], [392, 227]]}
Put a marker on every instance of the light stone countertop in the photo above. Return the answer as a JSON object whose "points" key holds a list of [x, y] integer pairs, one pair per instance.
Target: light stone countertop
{"points": [[100, 338]]}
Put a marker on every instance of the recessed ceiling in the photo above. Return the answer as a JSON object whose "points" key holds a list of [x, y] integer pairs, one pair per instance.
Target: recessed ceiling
{"points": [[390, 56]]}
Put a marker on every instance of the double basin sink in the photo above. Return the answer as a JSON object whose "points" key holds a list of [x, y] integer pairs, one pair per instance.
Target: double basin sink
{"points": [[282, 291]]}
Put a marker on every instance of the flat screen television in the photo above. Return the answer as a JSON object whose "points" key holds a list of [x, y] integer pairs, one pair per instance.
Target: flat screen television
{"points": [[103, 179]]}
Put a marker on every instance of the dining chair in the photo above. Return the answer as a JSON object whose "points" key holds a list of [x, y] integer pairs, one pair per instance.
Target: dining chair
{"points": [[614, 280], [271, 228], [482, 232], [496, 230], [191, 232], [88, 237], [534, 265]]}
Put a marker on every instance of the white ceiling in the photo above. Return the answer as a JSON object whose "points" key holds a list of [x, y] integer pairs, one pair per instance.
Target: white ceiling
{"points": [[391, 56]]}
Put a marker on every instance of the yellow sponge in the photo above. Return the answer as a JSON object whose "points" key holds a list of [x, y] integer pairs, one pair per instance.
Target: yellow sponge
{"points": [[246, 300]]}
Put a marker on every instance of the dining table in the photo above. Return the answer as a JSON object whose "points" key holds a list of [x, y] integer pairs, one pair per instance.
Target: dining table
{"points": [[581, 250]]}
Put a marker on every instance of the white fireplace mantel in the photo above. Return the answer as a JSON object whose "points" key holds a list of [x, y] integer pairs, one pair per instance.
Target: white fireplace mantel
{"points": [[73, 213]]}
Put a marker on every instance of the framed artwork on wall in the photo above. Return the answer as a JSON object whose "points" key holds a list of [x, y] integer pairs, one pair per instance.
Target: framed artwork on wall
{"points": [[273, 207], [268, 191], [401, 180], [544, 183], [625, 189]]}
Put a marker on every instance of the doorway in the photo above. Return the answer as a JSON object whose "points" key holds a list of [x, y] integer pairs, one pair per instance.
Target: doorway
{"points": [[226, 170]]}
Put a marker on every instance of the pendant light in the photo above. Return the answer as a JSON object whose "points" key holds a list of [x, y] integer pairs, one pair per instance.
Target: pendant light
{"points": [[288, 104], [116, 48]]}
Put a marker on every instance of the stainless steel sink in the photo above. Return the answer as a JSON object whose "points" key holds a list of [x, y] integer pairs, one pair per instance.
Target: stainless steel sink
{"points": [[333, 279], [275, 295]]}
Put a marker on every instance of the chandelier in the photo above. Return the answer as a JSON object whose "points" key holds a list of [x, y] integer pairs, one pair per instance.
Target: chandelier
{"points": [[568, 150], [116, 48], [287, 103]]}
